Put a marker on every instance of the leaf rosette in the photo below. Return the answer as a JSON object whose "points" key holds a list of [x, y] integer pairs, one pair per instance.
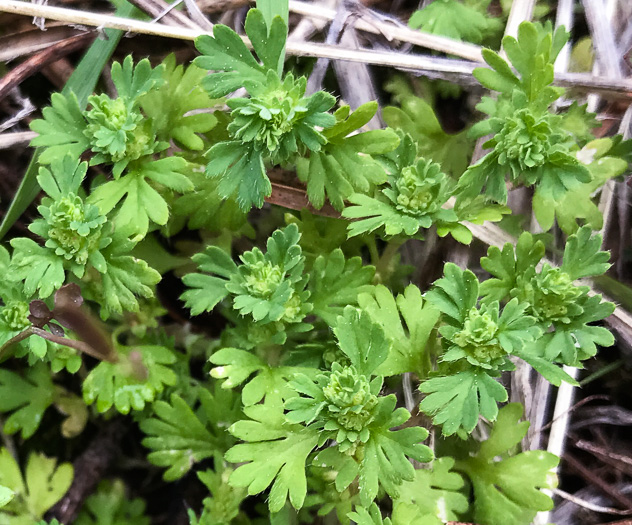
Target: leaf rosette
{"points": [[269, 288], [118, 132], [282, 121], [275, 124], [76, 230], [533, 149], [413, 199], [531, 146], [551, 295], [114, 130], [340, 401], [478, 340], [481, 334], [342, 404], [562, 308]]}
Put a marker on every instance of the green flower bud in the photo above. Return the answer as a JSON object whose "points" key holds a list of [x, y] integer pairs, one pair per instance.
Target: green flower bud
{"points": [[524, 141], [552, 296], [477, 338], [280, 120], [73, 228], [15, 315], [262, 278], [421, 189], [293, 309], [117, 130], [350, 400]]}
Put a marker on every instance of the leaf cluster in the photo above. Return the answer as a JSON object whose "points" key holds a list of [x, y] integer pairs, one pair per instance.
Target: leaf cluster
{"points": [[279, 125], [110, 506], [414, 198], [42, 484], [562, 308], [179, 436], [507, 484], [128, 133], [477, 339], [342, 404], [530, 144], [268, 287], [467, 21]]}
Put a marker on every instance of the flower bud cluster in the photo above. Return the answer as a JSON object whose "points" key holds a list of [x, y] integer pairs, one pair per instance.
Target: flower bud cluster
{"points": [[421, 189], [261, 277], [350, 406], [551, 294], [280, 121], [524, 141], [118, 132], [72, 228], [478, 337], [15, 315]]}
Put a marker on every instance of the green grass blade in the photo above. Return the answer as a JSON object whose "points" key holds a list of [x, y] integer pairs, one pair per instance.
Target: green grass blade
{"points": [[82, 82], [272, 8]]}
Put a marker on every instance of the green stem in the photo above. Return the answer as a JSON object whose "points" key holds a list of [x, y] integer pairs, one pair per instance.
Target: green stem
{"points": [[383, 266], [373, 253]]}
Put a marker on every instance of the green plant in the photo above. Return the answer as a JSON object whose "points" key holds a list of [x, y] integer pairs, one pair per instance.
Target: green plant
{"points": [[461, 21], [34, 492], [285, 385], [108, 506]]}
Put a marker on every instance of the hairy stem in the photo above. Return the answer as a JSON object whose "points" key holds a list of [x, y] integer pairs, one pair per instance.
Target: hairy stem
{"points": [[77, 345]]}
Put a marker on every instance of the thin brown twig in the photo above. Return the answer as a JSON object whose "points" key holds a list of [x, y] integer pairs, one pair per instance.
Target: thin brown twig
{"points": [[618, 461], [36, 62], [589, 476], [15, 45], [577, 405]]}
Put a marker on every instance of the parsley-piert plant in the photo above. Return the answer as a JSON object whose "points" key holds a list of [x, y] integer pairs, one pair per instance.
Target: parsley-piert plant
{"points": [[297, 370]]}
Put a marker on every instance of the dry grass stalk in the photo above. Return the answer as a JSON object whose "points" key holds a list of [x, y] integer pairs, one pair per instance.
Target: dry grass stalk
{"points": [[9, 140], [370, 22], [584, 82], [521, 10], [160, 10], [393, 31], [603, 38], [40, 60]]}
